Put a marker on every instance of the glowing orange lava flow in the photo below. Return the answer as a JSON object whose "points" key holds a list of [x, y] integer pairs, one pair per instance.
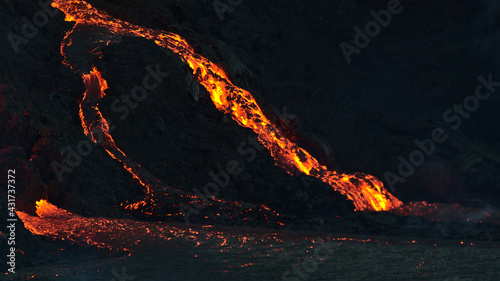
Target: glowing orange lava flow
{"points": [[365, 191], [157, 193], [128, 235], [115, 234], [98, 130]]}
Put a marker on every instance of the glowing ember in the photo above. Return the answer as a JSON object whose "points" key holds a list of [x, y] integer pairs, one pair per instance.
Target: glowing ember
{"points": [[366, 192]]}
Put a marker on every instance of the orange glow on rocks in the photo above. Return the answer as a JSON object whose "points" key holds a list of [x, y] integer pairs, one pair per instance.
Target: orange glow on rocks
{"points": [[365, 191]]}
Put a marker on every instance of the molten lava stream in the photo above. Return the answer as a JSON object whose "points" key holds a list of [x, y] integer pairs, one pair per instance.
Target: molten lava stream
{"points": [[157, 193], [99, 131], [365, 191], [129, 235], [114, 234]]}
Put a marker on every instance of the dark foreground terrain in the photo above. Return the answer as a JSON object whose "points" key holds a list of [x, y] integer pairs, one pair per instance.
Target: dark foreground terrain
{"points": [[250, 254]]}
